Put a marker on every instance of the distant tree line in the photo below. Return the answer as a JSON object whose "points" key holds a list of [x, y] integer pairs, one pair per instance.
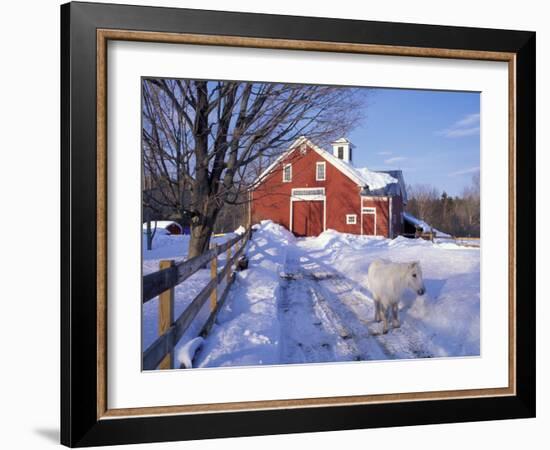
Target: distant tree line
{"points": [[458, 216]]}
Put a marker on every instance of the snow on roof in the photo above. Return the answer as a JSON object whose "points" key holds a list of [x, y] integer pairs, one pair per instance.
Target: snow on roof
{"points": [[417, 222], [402, 186], [426, 228], [376, 180], [363, 176]]}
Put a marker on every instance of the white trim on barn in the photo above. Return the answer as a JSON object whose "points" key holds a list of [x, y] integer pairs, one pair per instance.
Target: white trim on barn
{"points": [[368, 210], [290, 173], [351, 219], [375, 197], [346, 146], [339, 164], [308, 194], [316, 193], [322, 164]]}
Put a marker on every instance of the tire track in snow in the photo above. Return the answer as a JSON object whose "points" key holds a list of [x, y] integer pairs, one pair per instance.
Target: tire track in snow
{"points": [[310, 331]]}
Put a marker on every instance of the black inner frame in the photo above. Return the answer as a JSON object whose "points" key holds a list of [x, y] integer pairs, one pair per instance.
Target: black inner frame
{"points": [[79, 424]]}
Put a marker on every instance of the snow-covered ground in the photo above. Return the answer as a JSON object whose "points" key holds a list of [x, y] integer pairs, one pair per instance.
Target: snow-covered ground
{"points": [[248, 328], [175, 247], [306, 300]]}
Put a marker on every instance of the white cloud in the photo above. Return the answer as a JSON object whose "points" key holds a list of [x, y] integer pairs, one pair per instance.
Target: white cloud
{"points": [[467, 126], [461, 132], [394, 159], [470, 119], [467, 171]]}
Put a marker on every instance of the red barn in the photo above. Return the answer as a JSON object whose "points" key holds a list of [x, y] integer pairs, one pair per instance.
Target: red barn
{"points": [[308, 190]]}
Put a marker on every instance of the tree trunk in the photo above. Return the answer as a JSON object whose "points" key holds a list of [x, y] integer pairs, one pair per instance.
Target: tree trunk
{"points": [[202, 223], [200, 238], [149, 236]]}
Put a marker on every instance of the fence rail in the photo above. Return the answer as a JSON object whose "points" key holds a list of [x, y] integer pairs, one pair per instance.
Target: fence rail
{"points": [[157, 282], [431, 236], [160, 352]]}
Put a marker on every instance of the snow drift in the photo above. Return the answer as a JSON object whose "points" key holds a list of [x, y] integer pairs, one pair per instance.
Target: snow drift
{"points": [[247, 331]]}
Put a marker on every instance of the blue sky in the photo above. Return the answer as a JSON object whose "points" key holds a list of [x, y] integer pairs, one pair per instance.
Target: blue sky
{"points": [[433, 136]]}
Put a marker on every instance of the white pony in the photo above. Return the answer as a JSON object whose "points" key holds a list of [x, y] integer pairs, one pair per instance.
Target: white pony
{"points": [[387, 281]]}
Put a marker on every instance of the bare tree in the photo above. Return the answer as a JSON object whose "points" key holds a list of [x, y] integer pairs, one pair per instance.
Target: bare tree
{"points": [[470, 208], [459, 216], [204, 141], [150, 234], [422, 204]]}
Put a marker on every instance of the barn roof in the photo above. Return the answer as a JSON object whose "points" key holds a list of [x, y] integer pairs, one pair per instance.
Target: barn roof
{"points": [[398, 188], [342, 140], [363, 177]]}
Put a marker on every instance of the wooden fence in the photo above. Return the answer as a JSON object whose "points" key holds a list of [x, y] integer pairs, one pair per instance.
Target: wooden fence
{"points": [[160, 354], [431, 235], [473, 242]]}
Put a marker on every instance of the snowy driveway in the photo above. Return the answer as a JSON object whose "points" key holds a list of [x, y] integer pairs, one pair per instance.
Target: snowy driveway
{"points": [[327, 317]]}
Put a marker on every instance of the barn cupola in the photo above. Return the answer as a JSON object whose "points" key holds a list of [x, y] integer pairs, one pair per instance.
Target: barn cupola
{"points": [[343, 149]]}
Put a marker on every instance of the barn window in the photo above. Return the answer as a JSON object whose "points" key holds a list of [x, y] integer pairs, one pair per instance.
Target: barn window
{"points": [[320, 172], [351, 219], [303, 192], [287, 173], [340, 152]]}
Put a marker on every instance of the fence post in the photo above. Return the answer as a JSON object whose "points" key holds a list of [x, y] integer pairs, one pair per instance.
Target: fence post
{"points": [[213, 275], [166, 315], [229, 262]]}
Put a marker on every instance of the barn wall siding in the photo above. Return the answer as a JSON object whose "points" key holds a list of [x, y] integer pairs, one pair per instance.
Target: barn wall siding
{"points": [[274, 206], [397, 216], [342, 199], [271, 199]]}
